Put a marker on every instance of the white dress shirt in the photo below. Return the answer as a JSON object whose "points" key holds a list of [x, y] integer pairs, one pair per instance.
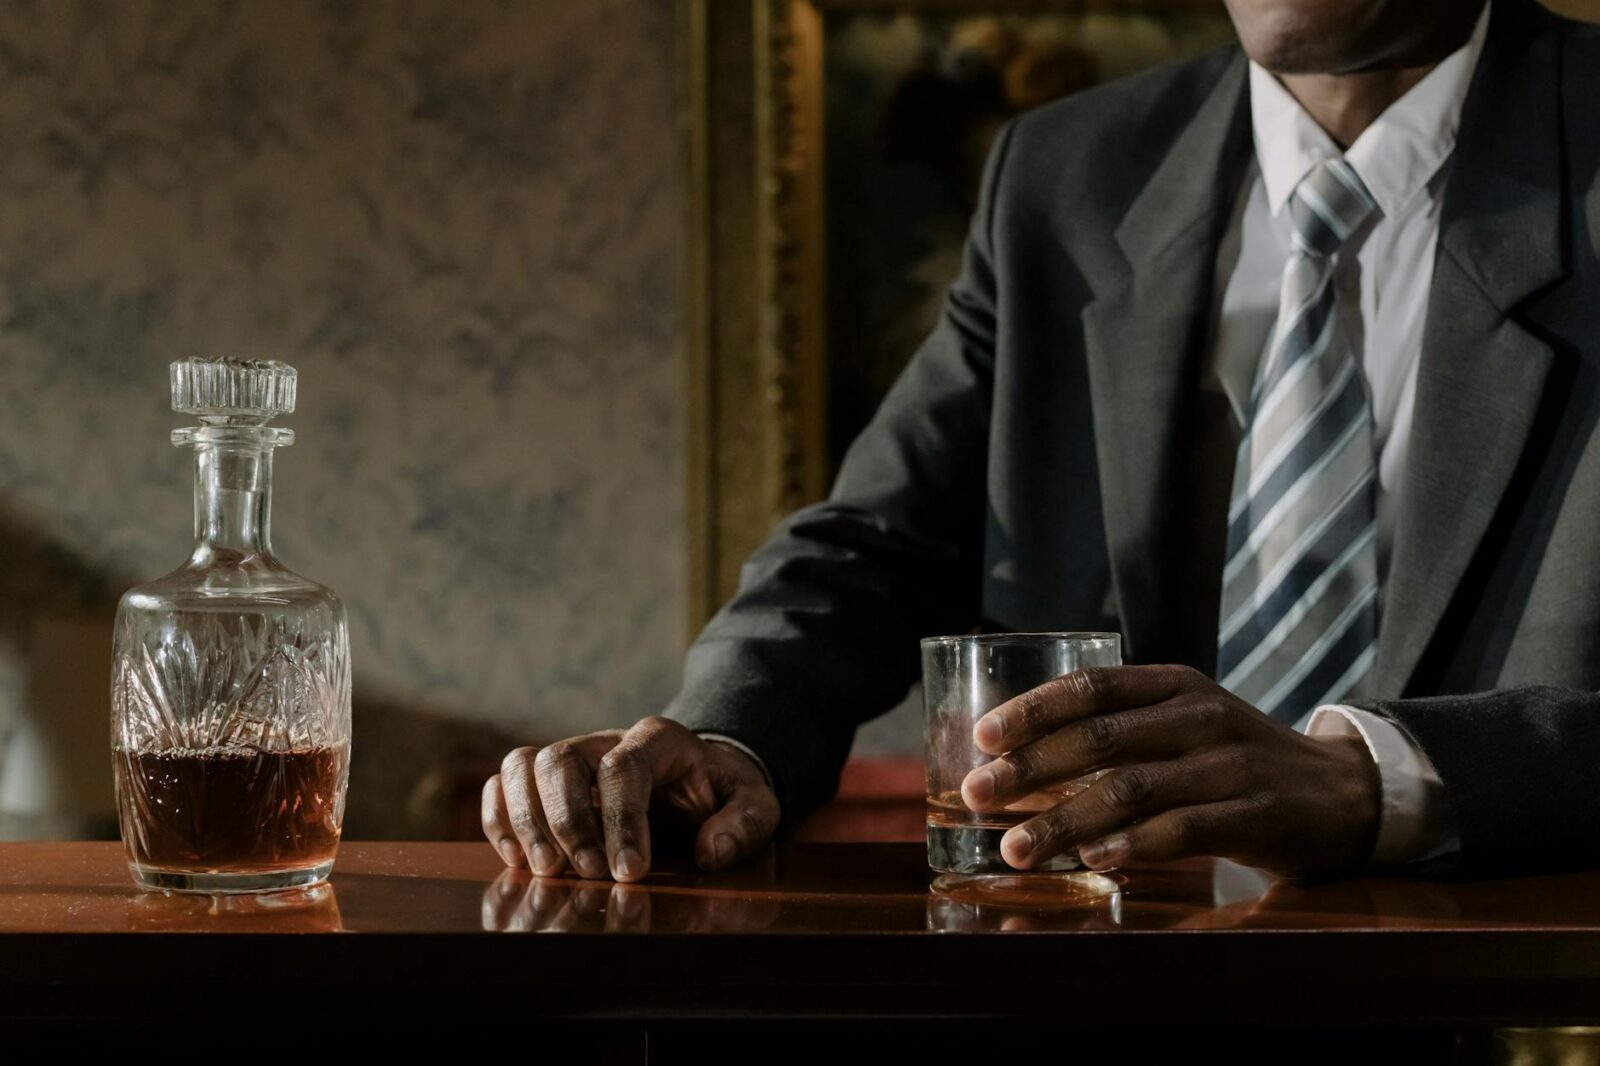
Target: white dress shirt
{"points": [[1381, 278]]}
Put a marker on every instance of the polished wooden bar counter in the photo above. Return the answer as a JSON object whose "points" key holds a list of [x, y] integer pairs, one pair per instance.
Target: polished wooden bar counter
{"points": [[834, 932]]}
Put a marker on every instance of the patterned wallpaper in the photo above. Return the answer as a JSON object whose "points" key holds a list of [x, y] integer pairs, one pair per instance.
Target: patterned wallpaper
{"points": [[459, 220]]}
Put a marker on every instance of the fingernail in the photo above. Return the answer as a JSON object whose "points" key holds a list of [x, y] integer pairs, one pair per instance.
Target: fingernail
{"points": [[544, 858], [1104, 854], [510, 853], [980, 784], [590, 863], [724, 848], [1020, 841], [988, 730], [629, 864]]}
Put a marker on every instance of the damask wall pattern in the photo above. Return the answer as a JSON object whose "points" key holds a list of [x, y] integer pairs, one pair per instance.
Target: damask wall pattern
{"points": [[459, 220]]}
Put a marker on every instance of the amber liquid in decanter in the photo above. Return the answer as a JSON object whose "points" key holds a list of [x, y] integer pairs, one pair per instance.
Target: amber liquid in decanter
{"points": [[234, 809]]}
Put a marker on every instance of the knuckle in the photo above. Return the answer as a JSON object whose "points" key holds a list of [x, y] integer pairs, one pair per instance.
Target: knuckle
{"points": [[1235, 721], [622, 759], [654, 725], [554, 755], [1244, 764], [1054, 824], [517, 761], [1091, 683], [752, 822], [1030, 712], [1217, 716], [1102, 735], [567, 826], [1129, 789], [1206, 715], [514, 791], [1190, 832], [618, 819], [1263, 805], [524, 824], [1024, 762]]}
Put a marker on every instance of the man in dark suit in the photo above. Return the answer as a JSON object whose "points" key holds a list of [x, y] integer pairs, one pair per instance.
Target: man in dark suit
{"points": [[1283, 362]]}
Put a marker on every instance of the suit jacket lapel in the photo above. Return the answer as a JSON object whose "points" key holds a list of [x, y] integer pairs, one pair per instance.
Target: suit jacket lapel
{"points": [[1143, 337], [1482, 374]]}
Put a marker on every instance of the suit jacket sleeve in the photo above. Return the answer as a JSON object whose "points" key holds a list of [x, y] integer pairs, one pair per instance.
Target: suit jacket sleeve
{"points": [[1518, 769], [822, 634]]}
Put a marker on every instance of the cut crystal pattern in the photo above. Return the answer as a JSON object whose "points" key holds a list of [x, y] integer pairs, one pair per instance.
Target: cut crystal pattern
{"points": [[193, 680]]}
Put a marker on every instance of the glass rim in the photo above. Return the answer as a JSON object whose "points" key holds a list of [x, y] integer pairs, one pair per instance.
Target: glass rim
{"points": [[1085, 637]]}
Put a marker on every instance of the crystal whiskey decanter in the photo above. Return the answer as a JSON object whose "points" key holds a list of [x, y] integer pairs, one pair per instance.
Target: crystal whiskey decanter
{"points": [[230, 689]]}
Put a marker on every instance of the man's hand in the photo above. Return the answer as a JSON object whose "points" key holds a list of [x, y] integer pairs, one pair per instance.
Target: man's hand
{"points": [[1194, 770], [586, 803]]}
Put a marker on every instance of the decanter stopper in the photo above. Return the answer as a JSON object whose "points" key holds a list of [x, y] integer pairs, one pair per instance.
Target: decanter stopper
{"points": [[233, 391]]}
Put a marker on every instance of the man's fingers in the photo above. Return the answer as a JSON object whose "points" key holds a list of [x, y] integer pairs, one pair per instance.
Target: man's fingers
{"points": [[1097, 690], [586, 802], [653, 753], [520, 794], [564, 773], [1177, 834], [497, 823], [741, 828], [1164, 731], [1121, 798]]}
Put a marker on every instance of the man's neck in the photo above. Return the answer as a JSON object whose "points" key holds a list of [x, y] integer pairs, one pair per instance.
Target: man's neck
{"points": [[1346, 104]]}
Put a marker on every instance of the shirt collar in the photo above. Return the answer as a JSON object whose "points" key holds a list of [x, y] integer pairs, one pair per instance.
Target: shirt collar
{"points": [[1396, 156]]}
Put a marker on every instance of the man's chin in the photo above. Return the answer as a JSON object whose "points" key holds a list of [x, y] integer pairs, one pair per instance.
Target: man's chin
{"points": [[1302, 51], [1309, 36]]}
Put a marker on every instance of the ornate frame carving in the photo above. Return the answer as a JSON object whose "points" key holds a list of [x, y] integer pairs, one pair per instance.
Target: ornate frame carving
{"points": [[753, 341]]}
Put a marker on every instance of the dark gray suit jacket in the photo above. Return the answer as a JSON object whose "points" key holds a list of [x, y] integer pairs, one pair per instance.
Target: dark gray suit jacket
{"points": [[1058, 455]]}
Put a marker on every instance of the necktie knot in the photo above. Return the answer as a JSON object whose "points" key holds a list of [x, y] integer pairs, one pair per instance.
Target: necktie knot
{"points": [[1330, 203]]}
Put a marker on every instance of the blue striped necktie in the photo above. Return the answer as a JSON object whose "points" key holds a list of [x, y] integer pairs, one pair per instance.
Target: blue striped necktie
{"points": [[1299, 620]]}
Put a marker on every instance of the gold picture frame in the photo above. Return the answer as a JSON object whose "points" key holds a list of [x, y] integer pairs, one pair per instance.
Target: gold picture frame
{"points": [[755, 340]]}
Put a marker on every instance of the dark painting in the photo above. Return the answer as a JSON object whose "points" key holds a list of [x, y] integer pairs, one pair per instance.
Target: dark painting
{"points": [[912, 101]]}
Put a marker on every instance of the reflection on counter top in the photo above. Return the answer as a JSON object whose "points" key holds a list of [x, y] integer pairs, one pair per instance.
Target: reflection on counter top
{"points": [[796, 888]]}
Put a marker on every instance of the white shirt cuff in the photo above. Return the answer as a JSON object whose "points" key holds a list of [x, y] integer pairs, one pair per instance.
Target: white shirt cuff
{"points": [[1415, 823], [718, 738]]}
